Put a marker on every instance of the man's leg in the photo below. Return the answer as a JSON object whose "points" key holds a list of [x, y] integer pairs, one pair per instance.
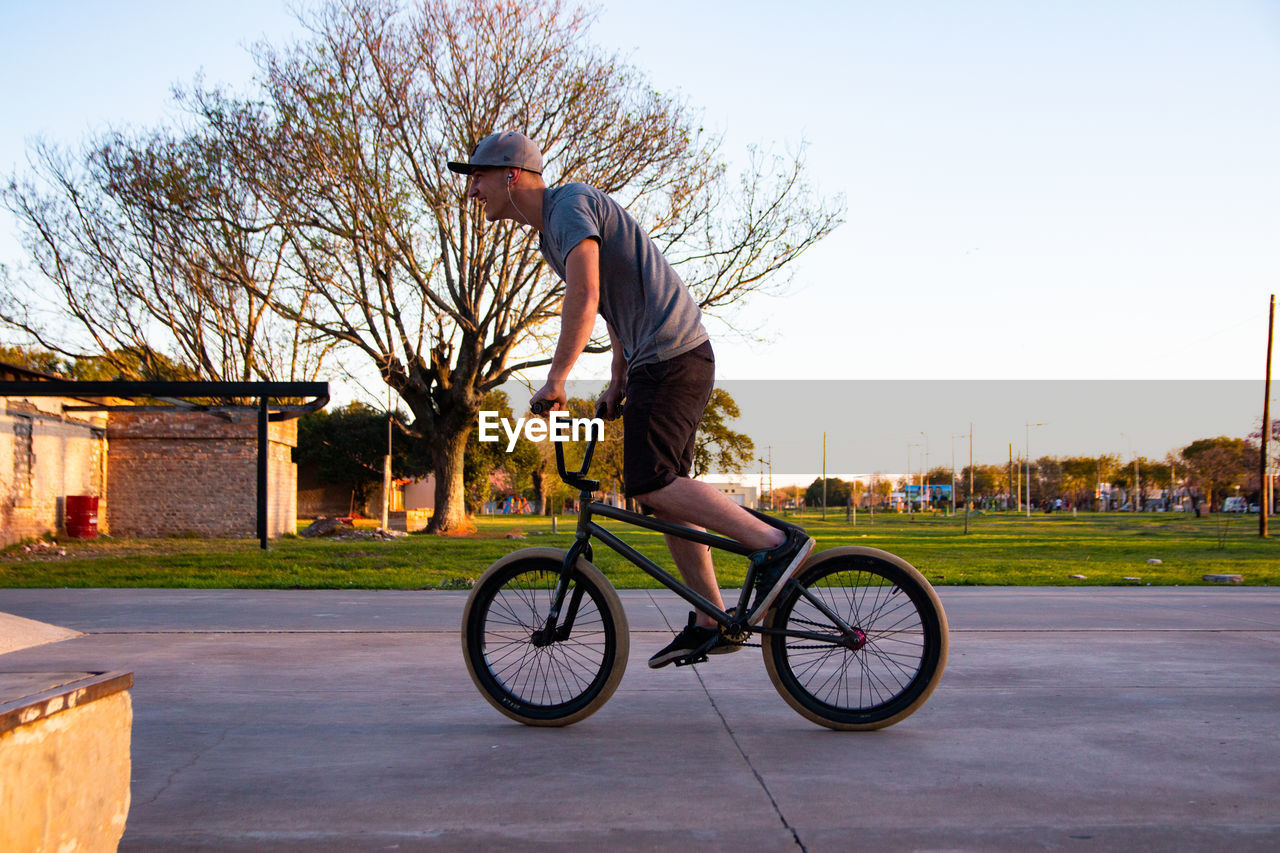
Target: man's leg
{"points": [[698, 505], [696, 567], [693, 502]]}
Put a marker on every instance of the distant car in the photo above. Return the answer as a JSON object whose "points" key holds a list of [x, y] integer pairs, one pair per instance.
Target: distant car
{"points": [[1235, 504]]}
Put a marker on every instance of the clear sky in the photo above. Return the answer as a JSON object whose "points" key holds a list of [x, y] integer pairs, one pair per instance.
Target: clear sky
{"points": [[1034, 189]]}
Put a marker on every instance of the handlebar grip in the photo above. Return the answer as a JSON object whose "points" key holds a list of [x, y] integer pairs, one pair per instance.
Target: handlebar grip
{"points": [[543, 406]]}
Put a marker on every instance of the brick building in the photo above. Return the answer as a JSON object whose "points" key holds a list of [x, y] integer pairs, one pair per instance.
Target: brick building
{"points": [[45, 455], [156, 473], [178, 472]]}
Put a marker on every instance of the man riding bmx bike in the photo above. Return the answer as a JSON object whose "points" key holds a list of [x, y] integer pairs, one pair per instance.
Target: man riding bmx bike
{"points": [[662, 365]]}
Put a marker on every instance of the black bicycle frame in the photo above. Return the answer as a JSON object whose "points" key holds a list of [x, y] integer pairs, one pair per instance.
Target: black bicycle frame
{"points": [[587, 528]]}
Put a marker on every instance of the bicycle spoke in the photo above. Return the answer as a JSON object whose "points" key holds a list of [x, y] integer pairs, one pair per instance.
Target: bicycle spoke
{"points": [[552, 674], [883, 667]]}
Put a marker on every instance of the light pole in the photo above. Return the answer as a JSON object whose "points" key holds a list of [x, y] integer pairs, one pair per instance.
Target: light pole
{"points": [[968, 498], [386, 471], [906, 484], [924, 471], [954, 436], [824, 476], [1028, 464]]}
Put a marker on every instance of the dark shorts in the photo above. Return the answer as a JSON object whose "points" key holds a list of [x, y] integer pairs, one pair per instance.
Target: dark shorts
{"points": [[664, 407]]}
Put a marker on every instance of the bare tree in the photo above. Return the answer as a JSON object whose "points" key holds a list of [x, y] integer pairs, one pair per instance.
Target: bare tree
{"points": [[337, 166], [144, 273]]}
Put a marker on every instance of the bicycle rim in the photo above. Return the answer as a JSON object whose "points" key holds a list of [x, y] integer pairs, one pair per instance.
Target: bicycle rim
{"points": [[553, 684], [882, 681]]}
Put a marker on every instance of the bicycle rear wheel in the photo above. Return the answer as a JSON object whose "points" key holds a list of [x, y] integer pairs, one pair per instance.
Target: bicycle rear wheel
{"points": [[535, 682], [883, 672]]}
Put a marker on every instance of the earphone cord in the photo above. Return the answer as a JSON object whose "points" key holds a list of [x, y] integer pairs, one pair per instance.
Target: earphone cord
{"points": [[517, 207]]}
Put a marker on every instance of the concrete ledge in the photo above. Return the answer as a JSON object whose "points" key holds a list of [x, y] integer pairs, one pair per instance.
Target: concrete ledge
{"points": [[65, 763], [29, 696]]}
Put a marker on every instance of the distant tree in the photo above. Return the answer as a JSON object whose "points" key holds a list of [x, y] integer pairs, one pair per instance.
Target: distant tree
{"points": [[838, 492], [33, 358], [150, 254], [126, 363], [1081, 476], [1216, 466], [987, 481], [348, 445], [1046, 479], [939, 475], [717, 447], [1155, 475], [880, 489], [782, 495], [484, 458]]}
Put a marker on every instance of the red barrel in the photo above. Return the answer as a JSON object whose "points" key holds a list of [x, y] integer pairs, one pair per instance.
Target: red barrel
{"points": [[82, 516]]}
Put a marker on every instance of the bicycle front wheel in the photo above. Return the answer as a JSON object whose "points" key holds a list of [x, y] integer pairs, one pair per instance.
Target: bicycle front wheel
{"points": [[536, 680], [880, 673]]}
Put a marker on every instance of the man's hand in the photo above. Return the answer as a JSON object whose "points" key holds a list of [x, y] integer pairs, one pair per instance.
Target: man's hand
{"points": [[611, 400], [552, 393]]}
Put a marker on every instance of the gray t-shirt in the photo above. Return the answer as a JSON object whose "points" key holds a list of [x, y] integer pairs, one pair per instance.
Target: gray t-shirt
{"points": [[643, 300]]}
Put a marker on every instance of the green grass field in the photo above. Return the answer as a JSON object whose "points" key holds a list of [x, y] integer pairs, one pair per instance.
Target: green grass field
{"points": [[1001, 549]]}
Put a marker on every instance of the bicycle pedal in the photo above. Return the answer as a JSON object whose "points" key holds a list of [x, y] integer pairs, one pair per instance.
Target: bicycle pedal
{"points": [[690, 660]]}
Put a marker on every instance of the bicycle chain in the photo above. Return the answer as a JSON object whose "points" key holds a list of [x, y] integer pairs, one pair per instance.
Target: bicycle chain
{"points": [[796, 648]]}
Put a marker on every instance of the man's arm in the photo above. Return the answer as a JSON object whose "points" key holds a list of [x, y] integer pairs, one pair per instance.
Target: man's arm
{"points": [[577, 317]]}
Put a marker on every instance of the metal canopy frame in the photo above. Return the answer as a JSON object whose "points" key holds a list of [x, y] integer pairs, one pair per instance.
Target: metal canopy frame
{"points": [[174, 394]]}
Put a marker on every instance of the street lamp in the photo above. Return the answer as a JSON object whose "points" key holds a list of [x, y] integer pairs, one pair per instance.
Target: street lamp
{"points": [[1028, 464]]}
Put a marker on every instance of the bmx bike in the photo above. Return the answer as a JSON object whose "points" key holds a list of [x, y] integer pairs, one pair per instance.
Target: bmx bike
{"points": [[856, 640]]}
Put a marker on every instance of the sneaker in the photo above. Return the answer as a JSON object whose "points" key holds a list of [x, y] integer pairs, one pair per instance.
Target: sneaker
{"points": [[774, 567], [688, 641]]}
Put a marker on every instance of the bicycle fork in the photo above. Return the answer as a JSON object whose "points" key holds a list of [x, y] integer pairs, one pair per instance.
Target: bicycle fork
{"points": [[551, 631]]}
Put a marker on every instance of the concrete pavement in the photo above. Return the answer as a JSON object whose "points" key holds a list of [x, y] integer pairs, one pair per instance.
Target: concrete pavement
{"points": [[1068, 719]]}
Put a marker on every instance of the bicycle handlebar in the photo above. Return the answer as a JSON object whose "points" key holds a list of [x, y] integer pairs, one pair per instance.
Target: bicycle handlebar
{"points": [[575, 478]]}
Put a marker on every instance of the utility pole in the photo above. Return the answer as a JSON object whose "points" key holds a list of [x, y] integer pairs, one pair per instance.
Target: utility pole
{"points": [[953, 475], [1264, 507], [1011, 466], [824, 476], [386, 471], [954, 478], [1028, 448], [767, 463], [1018, 490], [771, 503], [1137, 484], [968, 499]]}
